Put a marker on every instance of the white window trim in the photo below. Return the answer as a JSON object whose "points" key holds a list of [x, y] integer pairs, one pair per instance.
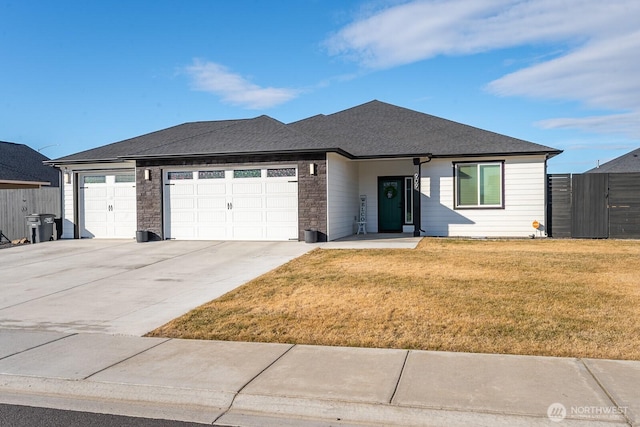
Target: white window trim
{"points": [[499, 163]]}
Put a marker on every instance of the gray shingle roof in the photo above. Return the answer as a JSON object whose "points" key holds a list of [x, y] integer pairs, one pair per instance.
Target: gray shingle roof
{"points": [[371, 130], [379, 129], [626, 163], [19, 162], [153, 140]]}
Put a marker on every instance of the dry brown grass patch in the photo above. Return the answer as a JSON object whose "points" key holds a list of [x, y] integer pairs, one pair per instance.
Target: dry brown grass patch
{"points": [[577, 298]]}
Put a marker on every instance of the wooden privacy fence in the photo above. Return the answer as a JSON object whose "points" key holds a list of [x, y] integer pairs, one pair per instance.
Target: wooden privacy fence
{"points": [[594, 205], [15, 204]]}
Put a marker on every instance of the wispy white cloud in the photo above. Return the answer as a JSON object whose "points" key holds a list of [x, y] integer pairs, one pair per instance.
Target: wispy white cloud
{"points": [[235, 89], [597, 64]]}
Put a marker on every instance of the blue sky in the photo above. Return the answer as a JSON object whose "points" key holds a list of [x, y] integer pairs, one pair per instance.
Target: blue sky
{"points": [[79, 74]]}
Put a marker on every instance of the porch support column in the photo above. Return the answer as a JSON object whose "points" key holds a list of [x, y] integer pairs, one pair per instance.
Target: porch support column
{"points": [[417, 193]]}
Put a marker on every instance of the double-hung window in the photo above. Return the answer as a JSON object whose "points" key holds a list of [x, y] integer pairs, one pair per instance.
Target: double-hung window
{"points": [[479, 185]]}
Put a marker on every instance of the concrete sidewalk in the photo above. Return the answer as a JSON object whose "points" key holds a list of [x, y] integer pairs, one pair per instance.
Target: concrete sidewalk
{"points": [[253, 384]]}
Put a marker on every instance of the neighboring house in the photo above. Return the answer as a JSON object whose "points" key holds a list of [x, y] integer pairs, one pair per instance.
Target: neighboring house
{"points": [[627, 163], [22, 167], [26, 186], [261, 179]]}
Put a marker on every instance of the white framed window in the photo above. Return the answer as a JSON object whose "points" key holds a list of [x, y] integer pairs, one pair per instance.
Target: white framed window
{"points": [[479, 184]]}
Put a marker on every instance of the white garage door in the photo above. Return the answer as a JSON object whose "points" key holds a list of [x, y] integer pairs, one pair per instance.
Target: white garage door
{"points": [[108, 204], [232, 204]]}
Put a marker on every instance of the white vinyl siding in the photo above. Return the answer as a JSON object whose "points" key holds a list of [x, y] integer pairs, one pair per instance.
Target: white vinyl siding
{"points": [[524, 201], [343, 201], [67, 206]]}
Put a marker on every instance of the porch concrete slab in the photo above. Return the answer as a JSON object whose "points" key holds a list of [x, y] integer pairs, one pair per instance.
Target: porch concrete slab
{"points": [[621, 380], [374, 241], [17, 341], [500, 384], [124, 287], [330, 373], [75, 357]]}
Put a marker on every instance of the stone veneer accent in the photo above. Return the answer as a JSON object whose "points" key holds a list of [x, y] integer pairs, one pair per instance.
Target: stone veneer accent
{"points": [[312, 190]]}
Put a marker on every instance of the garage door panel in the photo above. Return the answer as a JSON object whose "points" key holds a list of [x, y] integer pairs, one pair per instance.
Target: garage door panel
{"points": [[182, 189], [107, 205], [276, 233], [212, 203], [247, 188], [212, 216], [124, 192], [282, 216], [282, 203], [207, 189], [233, 204], [247, 233], [281, 187], [247, 202], [179, 203], [97, 191], [184, 232], [182, 217], [96, 205], [95, 231], [212, 233], [247, 217]]}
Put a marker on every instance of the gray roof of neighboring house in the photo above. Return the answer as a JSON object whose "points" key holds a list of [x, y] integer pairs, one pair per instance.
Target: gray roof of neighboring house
{"points": [[19, 162], [626, 163], [371, 130]]}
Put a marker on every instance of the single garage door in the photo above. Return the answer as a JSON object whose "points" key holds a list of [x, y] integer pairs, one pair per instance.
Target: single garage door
{"points": [[107, 204], [245, 203]]}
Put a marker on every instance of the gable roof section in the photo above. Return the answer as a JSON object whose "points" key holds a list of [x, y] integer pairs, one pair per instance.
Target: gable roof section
{"points": [[626, 163], [372, 130], [22, 164], [378, 129], [251, 136], [173, 135]]}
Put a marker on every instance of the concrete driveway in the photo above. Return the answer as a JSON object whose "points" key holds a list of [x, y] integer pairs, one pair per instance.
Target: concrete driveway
{"points": [[124, 287]]}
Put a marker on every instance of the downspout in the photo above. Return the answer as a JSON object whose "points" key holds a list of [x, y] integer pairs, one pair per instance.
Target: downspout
{"points": [[417, 191]]}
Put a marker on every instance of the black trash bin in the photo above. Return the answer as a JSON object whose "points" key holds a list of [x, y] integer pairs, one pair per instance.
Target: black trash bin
{"points": [[40, 227], [142, 236], [310, 236]]}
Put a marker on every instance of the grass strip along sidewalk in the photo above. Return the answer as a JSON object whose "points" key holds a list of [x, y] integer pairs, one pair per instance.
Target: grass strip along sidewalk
{"points": [[577, 298]]}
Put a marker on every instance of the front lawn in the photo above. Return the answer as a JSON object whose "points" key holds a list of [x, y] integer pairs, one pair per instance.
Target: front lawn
{"points": [[577, 298]]}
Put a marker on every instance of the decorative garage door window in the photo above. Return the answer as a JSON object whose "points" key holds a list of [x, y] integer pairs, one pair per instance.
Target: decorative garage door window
{"points": [[180, 175], [211, 175], [275, 173], [247, 173], [95, 179], [126, 178]]}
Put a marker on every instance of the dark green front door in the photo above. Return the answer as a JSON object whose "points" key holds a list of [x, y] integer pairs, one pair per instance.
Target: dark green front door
{"points": [[390, 193]]}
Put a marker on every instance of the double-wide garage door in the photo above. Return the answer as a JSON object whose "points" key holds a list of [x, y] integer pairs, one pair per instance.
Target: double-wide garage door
{"points": [[243, 203]]}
